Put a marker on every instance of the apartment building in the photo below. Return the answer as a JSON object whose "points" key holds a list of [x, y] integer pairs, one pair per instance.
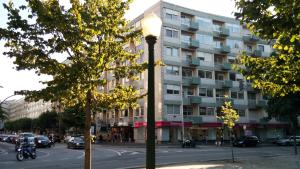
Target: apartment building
{"points": [[198, 50], [20, 109]]}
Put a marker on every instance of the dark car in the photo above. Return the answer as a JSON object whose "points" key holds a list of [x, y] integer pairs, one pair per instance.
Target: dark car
{"points": [[246, 141], [42, 141], [75, 142], [188, 143]]}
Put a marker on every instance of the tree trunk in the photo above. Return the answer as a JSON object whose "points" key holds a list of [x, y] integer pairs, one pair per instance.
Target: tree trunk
{"points": [[87, 138]]}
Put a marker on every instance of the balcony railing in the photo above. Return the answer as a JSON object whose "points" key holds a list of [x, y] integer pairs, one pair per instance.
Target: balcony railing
{"points": [[192, 44], [194, 61], [220, 31], [250, 38], [193, 119]]}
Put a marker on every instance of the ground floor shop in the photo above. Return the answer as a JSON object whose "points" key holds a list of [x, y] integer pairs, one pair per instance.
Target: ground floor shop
{"points": [[172, 132]]}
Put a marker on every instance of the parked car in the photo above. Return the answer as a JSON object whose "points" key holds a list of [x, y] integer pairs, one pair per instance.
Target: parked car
{"points": [[75, 142], [246, 141], [42, 141], [188, 143], [288, 141]]}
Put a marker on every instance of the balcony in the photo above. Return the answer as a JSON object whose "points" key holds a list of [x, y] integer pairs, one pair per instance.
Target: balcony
{"points": [[193, 119], [251, 103], [223, 49], [194, 62], [221, 32], [186, 101], [227, 84], [261, 103], [257, 53], [250, 38], [195, 99], [192, 44], [190, 26], [187, 81], [226, 66]]}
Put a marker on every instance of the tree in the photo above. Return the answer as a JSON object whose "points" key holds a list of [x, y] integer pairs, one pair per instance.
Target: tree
{"points": [[48, 121], [229, 117], [93, 34], [277, 22], [3, 114], [286, 108], [73, 117]]}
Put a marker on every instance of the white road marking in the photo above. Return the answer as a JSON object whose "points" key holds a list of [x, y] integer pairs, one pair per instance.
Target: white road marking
{"points": [[81, 156], [118, 153]]}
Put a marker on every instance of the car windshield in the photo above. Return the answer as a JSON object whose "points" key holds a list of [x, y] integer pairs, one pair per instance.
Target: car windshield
{"points": [[78, 139], [43, 138]]}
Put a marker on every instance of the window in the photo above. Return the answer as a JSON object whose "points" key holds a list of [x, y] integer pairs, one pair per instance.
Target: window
{"points": [[237, 95], [205, 92], [261, 47], [137, 112], [173, 89], [204, 23], [232, 76], [249, 48], [173, 109], [188, 91], [240, 95], [242, 113], [187, 110], [142, 110], [205, 39], [170, 51], [251, 96], [171, 33], [171, 14], [207, 111], [186, 38], [234, 95], [172, 70], [220, 93], [234, 44], [207, 57], [233, 28], [205, 74], [186, 72]]}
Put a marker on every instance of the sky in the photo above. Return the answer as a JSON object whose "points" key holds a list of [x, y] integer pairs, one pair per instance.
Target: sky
{"points": [[12, 80]]}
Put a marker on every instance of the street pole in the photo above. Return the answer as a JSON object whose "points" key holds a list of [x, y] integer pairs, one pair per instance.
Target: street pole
{"points": [[150, 146], [182, 120]]}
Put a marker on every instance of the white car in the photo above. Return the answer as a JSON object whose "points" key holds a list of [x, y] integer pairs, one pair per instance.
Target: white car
{"points": [[288, 141]]}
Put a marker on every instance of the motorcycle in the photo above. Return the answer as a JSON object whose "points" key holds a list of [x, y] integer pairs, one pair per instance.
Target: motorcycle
{"points": [[26, 152]]}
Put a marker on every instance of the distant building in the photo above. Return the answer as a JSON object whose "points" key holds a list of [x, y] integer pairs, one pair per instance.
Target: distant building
{"points": [[20, 109]]}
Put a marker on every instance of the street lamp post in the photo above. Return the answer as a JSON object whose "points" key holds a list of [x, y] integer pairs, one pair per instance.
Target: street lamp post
{"points": [[151, 25]]}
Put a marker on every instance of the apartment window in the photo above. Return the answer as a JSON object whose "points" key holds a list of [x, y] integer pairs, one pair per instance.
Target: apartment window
{"points": [[137, 112], [187, 72], [220, 93], [172, 70], [205, 39], [241, 95], [173, 89], [173, 109], [170, 51], [232, 76], [204, 23], [233, 28], [251, 96], [242, 113], [207, 57], [188, 91], [171, 14], [237, 95], [142, 110], [187, 110], [206, 111], [205, 74], [234, 44], [261, 47], [234, 95], [171, 33], [205, 92]]}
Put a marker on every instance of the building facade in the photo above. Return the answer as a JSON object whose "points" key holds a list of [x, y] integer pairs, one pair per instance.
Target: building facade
{"points": [[18, 109], [198, 50]]}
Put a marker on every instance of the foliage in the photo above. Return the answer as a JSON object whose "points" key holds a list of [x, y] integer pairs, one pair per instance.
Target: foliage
{"points": [[285, 108], [279, 74], [73, 117], [228, 115], [92, 34], [23, 124], [47, 121]]}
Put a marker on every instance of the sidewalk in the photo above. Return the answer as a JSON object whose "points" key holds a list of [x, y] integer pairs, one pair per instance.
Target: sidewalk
{"points": [[278, 162]]}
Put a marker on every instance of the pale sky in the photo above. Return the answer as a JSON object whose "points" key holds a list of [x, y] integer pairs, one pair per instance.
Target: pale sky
{"points": [[12, 80]]}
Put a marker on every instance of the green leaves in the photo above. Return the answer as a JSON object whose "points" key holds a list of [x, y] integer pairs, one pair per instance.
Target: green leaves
{"points": [[278, 75], [91, 34], [228, 115]]}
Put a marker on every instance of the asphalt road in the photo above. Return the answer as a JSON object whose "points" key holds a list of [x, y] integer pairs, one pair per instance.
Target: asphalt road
{"points": [[117, 157]]}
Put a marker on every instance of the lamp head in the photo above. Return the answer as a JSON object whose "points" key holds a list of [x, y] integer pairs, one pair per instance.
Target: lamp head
{"points": [[151, 25]]}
